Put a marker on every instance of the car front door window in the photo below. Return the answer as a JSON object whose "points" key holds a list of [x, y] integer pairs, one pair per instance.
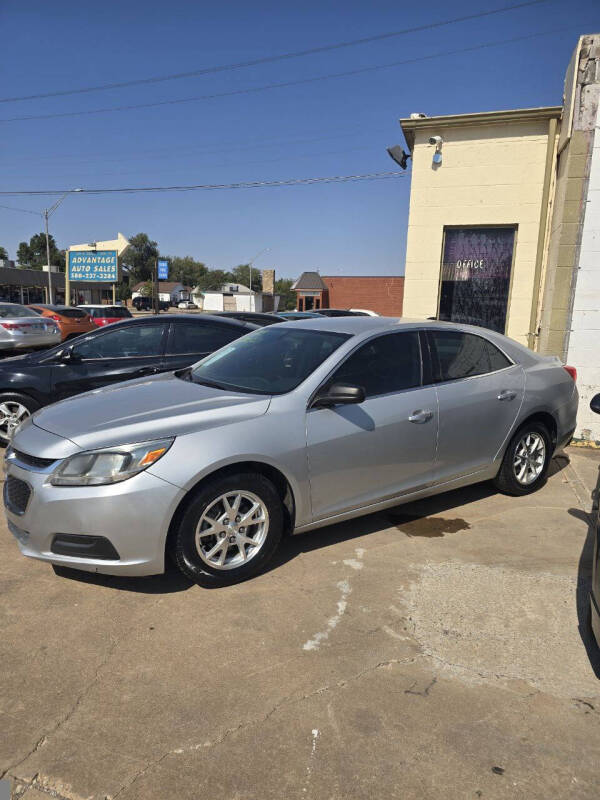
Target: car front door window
{"points": [[135, 341]]}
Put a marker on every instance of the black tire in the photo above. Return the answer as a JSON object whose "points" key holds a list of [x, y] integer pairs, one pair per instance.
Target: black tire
{"points": [[12, 398], [183, 548], [506, 480]]}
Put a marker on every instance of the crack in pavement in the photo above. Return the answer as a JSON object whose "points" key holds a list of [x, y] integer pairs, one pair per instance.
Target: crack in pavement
{"points": [[290, 700]]}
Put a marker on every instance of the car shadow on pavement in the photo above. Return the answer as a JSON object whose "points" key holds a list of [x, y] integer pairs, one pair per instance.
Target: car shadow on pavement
{"points": [[584, 578], [172, 580]]}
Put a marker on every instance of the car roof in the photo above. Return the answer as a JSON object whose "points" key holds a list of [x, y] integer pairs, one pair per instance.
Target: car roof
{"points": [[197, 318], [356, 326]]}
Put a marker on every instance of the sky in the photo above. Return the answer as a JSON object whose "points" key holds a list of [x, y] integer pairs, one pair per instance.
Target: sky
{"points": [[337, 126]]}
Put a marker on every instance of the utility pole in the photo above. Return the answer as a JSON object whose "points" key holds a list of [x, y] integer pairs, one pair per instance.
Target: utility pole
{"points": [[46, 214], [252, 260]]}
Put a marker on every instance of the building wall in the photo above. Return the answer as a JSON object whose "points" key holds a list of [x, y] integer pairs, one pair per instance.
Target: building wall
{"points": [[584, 338], [491, 174], [382, 294]]}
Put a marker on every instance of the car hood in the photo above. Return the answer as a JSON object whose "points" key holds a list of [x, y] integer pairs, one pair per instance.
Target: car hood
{"points": [[141, 410]]}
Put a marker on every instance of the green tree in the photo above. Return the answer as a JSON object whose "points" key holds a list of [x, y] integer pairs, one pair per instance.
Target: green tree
{"points": [[140, 257], [186, 270], [3, 253], [283, 287], [34, 254], [214, 279], [241, 274]]}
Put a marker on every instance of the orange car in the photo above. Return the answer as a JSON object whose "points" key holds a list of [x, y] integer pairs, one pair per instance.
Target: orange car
{"points": [[71, 321]]}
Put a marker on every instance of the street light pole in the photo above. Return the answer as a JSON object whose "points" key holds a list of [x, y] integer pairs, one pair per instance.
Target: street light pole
{"points": [[46, 215], [252, 260], [47, 212]]}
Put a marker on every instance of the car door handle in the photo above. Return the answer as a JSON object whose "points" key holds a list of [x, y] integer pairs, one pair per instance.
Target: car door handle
{"points": [[507, 394], [420, 416], [146, 371]]}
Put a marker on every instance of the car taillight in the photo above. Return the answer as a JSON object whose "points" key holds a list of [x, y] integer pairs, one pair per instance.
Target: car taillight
{"points": [[10, 326], [572, 371], [54, 316]]}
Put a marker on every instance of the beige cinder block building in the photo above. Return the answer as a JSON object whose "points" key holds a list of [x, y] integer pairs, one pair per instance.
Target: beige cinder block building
{"points": [[504, 223]]}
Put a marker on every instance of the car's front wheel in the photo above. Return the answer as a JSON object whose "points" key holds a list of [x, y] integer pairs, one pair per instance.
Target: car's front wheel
{"points": [[229, 530], [526, 460], [14, 408]]}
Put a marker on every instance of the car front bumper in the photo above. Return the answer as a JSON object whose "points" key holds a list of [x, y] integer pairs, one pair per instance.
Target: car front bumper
{"points": [[133, 515]]}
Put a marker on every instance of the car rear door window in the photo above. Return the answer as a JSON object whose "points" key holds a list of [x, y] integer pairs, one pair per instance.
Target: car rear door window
{"points": [[389, 363], [201, 337], [131, 341], [464, 355]]}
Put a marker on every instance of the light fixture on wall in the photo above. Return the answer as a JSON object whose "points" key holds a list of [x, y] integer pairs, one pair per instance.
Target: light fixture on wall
{"points": [[399, 155]]}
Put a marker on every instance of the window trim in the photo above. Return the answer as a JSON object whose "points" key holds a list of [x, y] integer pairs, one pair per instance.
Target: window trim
{"points": [[107, 331], [362, 343], [435, 363]]}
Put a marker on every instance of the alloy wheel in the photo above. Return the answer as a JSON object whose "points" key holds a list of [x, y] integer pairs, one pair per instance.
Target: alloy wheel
{"points": [[232, 530], [529, 458], [12, 413]]}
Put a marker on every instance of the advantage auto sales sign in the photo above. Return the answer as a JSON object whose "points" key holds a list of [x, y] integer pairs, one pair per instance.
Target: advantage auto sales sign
{"points": [[90, 265]]}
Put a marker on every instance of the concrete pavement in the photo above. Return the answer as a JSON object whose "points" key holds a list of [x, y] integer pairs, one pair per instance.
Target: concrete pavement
{"points": [[439, 650]]}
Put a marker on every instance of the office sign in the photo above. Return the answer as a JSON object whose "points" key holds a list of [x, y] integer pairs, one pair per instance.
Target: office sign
{"points": [[163, 269], [476, 267], [93, 265]]}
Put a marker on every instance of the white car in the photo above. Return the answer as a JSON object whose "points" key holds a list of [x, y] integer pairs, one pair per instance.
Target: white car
{"points": [[364, 311], [186, 304]]}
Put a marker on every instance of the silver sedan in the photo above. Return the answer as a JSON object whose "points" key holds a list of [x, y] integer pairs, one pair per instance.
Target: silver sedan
{"points": [[24, 329], [292, 427]]}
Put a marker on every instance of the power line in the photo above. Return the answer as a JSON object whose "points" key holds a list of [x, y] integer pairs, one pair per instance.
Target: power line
{"points": [[270, 59], [285, 84], [24, 210], [373, 176]]}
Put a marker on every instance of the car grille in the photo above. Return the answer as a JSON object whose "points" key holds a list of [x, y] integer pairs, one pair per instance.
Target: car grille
{"points": [[32, 461], [16, 494]]}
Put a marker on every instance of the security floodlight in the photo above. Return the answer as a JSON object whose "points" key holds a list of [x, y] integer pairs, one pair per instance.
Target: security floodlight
{"points": [[399, 155]]}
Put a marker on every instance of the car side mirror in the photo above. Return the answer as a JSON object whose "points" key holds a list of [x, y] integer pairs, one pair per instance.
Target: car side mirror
{"points": [[595, 404], [69, 356], [339, 394]]}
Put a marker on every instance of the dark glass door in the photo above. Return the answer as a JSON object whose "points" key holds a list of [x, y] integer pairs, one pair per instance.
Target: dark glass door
{"points": [[476, 267]]}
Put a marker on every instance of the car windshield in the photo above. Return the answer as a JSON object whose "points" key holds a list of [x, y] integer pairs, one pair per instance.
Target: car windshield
{"points": [[272, 360], [9, 311]]}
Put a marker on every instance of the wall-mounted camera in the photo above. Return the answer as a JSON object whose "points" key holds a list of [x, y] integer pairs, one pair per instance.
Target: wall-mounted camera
{"points": [[436, 140]]}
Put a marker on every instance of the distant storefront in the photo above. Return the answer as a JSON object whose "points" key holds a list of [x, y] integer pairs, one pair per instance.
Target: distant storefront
{"points": [[382, 294], [21, 285]]}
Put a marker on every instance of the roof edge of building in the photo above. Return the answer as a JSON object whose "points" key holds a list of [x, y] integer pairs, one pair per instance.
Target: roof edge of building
{"points": [[409, 125]]}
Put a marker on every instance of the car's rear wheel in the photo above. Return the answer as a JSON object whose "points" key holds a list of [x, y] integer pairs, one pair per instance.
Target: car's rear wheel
{"points": [[526, 460], [14, 408], [229, 530]]}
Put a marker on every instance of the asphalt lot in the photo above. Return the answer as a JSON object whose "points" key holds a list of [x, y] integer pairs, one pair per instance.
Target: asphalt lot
{"points": [[439, 650]]}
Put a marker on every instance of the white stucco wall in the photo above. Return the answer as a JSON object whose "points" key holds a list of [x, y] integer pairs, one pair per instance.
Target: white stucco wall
{"points": [[213, 301], [584, 338]]}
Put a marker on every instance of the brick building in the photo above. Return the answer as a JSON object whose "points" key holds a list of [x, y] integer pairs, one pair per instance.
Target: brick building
{"points": [[380, 293]]}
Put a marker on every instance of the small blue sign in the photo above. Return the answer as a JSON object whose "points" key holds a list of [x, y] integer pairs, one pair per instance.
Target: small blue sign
{"points": [[163, 269], [90, 265]]}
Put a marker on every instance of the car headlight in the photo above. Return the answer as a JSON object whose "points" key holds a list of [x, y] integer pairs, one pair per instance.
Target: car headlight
{"points": [[110, 465]]}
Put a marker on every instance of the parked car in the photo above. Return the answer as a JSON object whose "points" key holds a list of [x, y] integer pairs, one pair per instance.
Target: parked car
{"points": [[145, 304], [298, 315], [21, 328], [363, 312], [187, 304], [71, 321], [340, 312], [292, 427], [595, 592], [255, 317], [106, 315], [119, 352]]}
